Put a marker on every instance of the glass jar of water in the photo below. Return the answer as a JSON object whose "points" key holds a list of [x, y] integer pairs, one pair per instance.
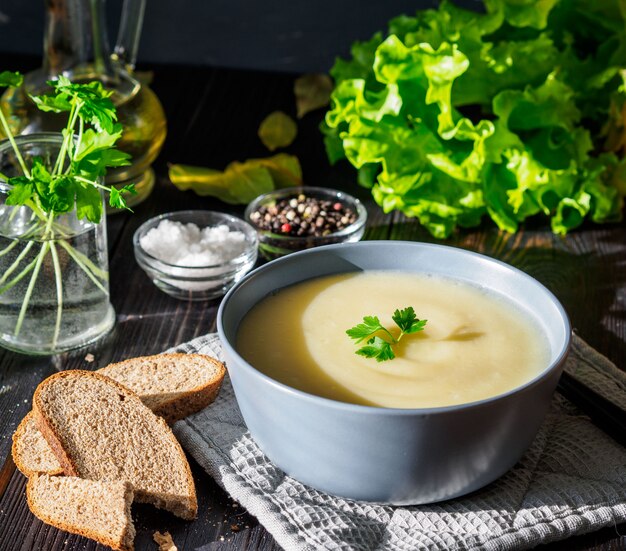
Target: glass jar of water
{"points": [[54, 275]]}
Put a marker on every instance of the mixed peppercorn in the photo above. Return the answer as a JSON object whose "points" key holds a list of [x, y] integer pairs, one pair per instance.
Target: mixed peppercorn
{"points": [[303, 216]]}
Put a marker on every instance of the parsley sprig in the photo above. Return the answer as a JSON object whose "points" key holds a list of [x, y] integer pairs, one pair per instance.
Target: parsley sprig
{"points": [[381, 347], [87, 151], [71, 182]]}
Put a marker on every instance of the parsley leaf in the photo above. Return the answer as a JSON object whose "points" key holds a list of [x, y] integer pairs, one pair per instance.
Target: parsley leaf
{"points": [[39, 170], [54, 104], [407, 321], [41, 178], [362, 331], [97, 107], [88, 202], [95, 164], [8, 78], [97, 141], [21, 191], [377, 347], [62, 193], [116, 198]]}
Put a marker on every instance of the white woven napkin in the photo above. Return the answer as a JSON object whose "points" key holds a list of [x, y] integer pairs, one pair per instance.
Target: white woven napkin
{"points": [[572, 480]]}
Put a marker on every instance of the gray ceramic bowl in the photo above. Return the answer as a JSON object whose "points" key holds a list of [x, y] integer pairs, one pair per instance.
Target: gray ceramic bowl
{"points": [[396, 456]]}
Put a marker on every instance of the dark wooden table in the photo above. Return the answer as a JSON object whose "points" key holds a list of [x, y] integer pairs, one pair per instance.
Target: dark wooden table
{"points": [[213, 118]]}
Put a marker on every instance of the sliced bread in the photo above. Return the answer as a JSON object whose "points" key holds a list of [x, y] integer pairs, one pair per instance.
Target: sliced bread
{"points": [[97, 510], [31, 453], [100, 430], [172, 385]]}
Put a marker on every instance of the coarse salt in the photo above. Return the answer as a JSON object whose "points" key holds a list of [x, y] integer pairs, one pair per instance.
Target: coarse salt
{"points": [[188, 245], [195, 253]]}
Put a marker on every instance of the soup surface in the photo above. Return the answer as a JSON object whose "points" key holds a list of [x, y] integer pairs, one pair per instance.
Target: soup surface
{"points": [[475, 345]]}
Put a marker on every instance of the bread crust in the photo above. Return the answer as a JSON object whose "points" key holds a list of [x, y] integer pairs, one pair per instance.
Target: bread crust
{"points": [[18, 436], [187, 511], [69, 469], [81, 531]]}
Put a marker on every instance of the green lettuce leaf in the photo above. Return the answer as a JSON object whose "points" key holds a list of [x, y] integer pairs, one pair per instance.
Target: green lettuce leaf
{"points": [[523, 13], [240, 182], [454, 114]]}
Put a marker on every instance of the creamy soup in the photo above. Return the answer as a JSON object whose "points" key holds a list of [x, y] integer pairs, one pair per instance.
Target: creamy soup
{"points": [[475, 344]]}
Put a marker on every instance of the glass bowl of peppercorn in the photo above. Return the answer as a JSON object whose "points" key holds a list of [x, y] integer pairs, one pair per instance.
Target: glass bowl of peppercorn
{"points": [[292, 219]]}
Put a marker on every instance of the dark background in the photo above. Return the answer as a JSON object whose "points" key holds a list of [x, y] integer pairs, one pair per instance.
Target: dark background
{"points": [[278, 35]]}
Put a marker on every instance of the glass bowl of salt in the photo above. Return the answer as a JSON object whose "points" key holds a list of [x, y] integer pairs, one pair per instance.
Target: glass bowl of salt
{"points": [[195, 254]]}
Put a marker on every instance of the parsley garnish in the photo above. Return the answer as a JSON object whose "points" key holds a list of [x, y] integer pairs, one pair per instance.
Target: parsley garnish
{"points": [[379, 347]]}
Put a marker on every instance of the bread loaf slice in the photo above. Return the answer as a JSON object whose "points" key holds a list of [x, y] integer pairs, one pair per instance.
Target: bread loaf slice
{"points": [[97, 510], [100, 430], [172, 385], [31, 453]]}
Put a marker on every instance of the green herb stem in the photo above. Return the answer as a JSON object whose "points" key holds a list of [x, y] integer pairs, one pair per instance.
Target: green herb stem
{"points": [[17, 261], [73, 253], [49, 222], [19, 277], [31, 231], [92, 183], [393, 339], [60, 230], [71, 145], [31, 286], [9, 135], [95, 270], [9, 247], [14, 212], [59, 286], [81, 129], [67, 138]]}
